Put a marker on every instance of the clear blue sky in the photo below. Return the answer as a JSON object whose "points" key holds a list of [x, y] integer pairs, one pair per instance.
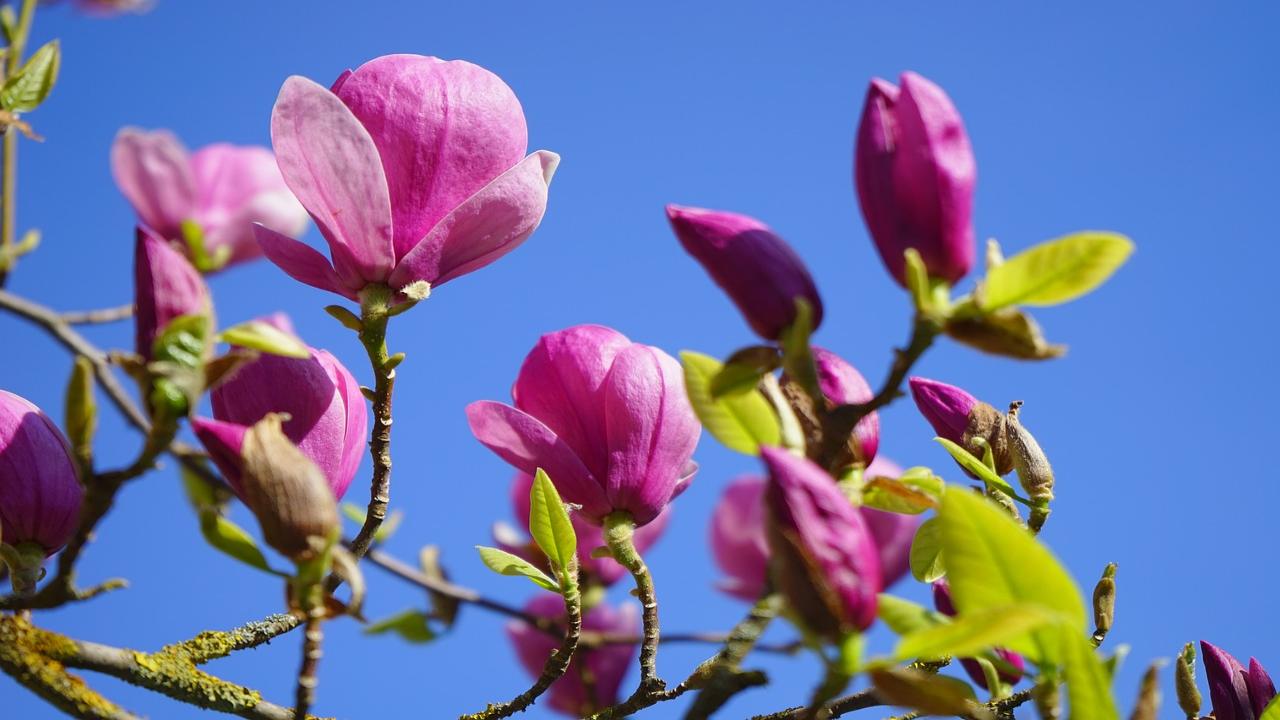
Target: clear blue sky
{"points": [[1155, 121]]}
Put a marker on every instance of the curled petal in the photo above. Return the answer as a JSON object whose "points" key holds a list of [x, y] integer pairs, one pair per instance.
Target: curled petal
{"points": [[331, 164], [154, 172], [301, 262], [224, 441], [1228, 686], [486, 226]]}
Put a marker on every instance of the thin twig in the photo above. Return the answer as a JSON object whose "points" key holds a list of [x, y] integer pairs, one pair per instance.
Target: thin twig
{"points": [[99, 316]]}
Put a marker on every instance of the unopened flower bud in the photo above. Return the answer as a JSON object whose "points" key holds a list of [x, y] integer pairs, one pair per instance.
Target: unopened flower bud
{"points": [[166, 287], [1148, 706], [285, 490], [1104, 603], [1184, 676], [40, 494], [1236, 693], [1028, 459], [963, 419]]}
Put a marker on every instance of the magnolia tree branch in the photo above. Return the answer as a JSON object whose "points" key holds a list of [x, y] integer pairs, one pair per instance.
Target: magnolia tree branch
{"points": [[98, 316]]}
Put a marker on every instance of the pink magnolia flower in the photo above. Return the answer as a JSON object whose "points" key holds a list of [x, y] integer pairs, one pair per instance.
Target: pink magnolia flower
{"points": [[107, 8], [606, 418], [166, 286], [40, 492], [590, 537], [757, 269], [413, 168], [607, 665], [328, 420], [915, 175], [741, 550], [823, 555], [222, 188]]}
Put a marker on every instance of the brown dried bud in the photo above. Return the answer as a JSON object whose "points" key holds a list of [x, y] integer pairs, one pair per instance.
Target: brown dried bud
{"points": [[986, 423], [1029, 460], [285, 490], [1104, 602], [1184, 674]]}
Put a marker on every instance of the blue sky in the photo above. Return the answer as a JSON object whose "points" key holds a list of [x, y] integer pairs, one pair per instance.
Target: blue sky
{"points": [[1155, 122]]}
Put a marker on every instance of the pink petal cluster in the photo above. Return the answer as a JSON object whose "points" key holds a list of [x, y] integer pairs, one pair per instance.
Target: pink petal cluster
{"points": [[741, 550], [222, 188], [603, 569], [755, 267], [328, 420], [40, 492], [606, 418], [915, 175], [166, 286], [413, 168], [607, 666], [823, 554]]}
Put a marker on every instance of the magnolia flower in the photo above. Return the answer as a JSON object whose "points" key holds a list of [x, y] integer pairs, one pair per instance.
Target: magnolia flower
{"points": [[963, 419], [166, 287], [607, 666], [328, 420], [757, 269], [413, 168], [590, 537], [1236, 693], [107, 8], [223, 189], [741, 550], [842, 384], [915, 175], [824, 558], [40, 493], [606, 418]]}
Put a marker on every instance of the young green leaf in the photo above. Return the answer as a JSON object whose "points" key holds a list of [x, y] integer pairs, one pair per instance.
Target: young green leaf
{"points": [[504, 563], [1056, 271], [1272, 710], [905, 617], [743, 370], [741, 422], [993, 562], [928, 693], [970, 634], [31, 85], [797, 355], [410, 625], [199, 492], [915, 491], [979, 468], [549, 523], [232, 540], [258, 335], [1088, 685], [926, 552]]}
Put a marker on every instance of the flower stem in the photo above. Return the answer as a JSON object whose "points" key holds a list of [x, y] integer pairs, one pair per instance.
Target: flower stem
{"points": [[9, 145], [619, 537]]}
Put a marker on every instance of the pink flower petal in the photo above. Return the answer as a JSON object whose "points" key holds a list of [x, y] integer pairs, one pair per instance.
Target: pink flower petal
{"points": [[331, 164], [488, 225], [153, 171], [239, 186], [301, 262]]}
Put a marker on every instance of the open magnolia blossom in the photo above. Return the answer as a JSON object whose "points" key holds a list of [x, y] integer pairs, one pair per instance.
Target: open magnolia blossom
{"points": [[413, 168]]}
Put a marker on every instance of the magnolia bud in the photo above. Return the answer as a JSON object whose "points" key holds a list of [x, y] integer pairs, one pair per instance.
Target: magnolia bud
{"points": [[1104, 603], [1184, 676], [1028, 459], [285, 490], [963, 419], [1148, 706]]}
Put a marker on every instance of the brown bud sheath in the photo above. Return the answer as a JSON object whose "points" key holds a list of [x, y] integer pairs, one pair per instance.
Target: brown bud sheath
{"points": [[987, 423], [285, 490], [1184, 674], [1148, 707], [1104, 603], [1028, 459]]}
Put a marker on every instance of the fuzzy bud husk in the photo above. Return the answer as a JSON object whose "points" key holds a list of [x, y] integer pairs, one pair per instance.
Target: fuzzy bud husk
{"points": [[1034, 472], [987, 423], [1148, 707], [285, 490], [1184, 674], [1104, 601]]}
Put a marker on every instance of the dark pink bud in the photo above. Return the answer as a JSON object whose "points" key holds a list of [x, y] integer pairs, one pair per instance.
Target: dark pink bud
{"points": [[963, 419], [915, 176], [942, 601], [1236, 693], [40, 493], [756, 268], [166, 286], [824, 557], [844, 385], [607, 665], [606, 418], [590, 537]]}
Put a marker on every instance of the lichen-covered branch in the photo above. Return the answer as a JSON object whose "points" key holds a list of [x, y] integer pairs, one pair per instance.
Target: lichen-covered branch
{"points": [[22, 657]]}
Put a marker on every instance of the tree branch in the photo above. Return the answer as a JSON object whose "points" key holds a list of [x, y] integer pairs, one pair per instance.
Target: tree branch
{"points": [[99, 316]]}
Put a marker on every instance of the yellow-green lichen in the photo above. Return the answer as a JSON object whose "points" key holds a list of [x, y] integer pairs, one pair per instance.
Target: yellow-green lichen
{"points": [[25, 655], [172, 673]]}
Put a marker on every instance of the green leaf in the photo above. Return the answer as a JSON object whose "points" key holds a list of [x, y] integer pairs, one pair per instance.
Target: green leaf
{"points": [[200, 493], [926, 692], [911, 493], [410, 625], [231, 539], [926, 552], [1088, 684], [980, 469], [258, 335], [1056, 271], [743, 370], [550, 526], [741, 422], [969, 634], [905, 617], [797, 355], [31, 85], [1008, 332], [993, 562], [1272, 710], [504, 563], [177, 365]]}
